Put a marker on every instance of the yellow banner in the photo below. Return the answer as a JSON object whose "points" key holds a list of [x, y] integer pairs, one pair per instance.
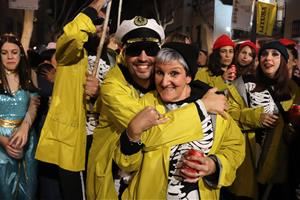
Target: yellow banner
{"points": [[265, 18]]}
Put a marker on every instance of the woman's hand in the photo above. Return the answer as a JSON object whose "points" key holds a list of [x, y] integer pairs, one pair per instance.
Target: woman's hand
{"points": [[19, 137], [268, 120], [229, 74], [196, 167], [10, 150], [145, 119], [14, 152]]}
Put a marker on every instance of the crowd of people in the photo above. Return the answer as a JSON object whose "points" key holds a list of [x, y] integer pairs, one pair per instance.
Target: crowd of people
{"points": [[154, 117]]}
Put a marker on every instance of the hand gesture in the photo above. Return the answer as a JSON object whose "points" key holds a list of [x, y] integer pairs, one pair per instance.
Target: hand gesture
{"points": [[215, 103], [48, 74], [268, 120], [91, 87], [196, 167], [10, 150], [19, 137], [144, 120], [230, 73], [297, 71]]}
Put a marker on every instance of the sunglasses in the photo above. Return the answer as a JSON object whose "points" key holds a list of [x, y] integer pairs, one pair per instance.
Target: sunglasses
{"points": [[150, 48]]}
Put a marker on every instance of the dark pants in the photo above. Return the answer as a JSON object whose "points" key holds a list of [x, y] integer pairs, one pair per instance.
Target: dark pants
{"points": [[72, 184], [57, 184], [48, 182]]}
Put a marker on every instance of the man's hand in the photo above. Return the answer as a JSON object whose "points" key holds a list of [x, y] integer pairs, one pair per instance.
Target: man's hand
{"points": [[215, 103], [48, 74], [91, 87], [98, 4]]}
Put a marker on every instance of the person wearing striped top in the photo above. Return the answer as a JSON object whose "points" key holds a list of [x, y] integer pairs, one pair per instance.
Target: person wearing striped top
{"points": [[166, 172]]}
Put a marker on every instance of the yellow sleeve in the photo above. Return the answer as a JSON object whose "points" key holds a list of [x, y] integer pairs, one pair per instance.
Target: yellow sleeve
{"points": [[69, 49], [119, 100], [128, 163], [246, 118], [204, 75], [184, 125]]}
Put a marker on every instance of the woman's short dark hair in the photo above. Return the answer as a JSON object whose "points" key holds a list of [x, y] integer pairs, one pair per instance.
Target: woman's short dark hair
{"points": [[214, 64]]}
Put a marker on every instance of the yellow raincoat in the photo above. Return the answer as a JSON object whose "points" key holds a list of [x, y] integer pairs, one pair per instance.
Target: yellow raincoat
{"points": [[119, 104], [247, 118], [63, 137], [205, 76], [151, 165]]}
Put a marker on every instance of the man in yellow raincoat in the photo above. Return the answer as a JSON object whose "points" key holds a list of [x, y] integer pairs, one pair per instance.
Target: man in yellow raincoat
{"points": [[63, 138]]}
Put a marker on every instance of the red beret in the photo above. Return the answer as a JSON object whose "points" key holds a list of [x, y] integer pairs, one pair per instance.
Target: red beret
{"points": [[222, 41], [287, 42], [250, 44]]}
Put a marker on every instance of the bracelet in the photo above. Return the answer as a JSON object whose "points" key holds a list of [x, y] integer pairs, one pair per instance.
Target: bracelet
{"points": [[139, 141]]}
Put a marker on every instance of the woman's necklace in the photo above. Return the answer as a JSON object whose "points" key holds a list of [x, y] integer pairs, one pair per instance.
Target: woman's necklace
{"points": [[9, 72]]}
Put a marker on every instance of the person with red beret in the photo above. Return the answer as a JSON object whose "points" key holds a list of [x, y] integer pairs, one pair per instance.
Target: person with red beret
{"points": [[245, 57], [259, 104], [293, 160], [294, 69], [219, 72], [287, 42], [290, 45]]}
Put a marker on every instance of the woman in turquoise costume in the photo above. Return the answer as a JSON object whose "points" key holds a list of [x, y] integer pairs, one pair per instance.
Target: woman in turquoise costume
{"points": [[18, 105]]}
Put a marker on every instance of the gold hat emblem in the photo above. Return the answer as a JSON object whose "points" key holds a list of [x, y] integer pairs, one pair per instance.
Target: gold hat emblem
{"points": [[140, 21]]}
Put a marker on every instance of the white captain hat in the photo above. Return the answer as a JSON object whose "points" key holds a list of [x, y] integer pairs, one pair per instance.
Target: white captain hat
{"points": [[140, 29]]}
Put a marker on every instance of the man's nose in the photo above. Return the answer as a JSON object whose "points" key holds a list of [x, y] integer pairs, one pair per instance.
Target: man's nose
{"points": [[142, 55]]}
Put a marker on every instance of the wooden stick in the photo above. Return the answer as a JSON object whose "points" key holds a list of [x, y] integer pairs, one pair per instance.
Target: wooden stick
{"points": [[102, 39], [119, 12], [27, 29]]}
